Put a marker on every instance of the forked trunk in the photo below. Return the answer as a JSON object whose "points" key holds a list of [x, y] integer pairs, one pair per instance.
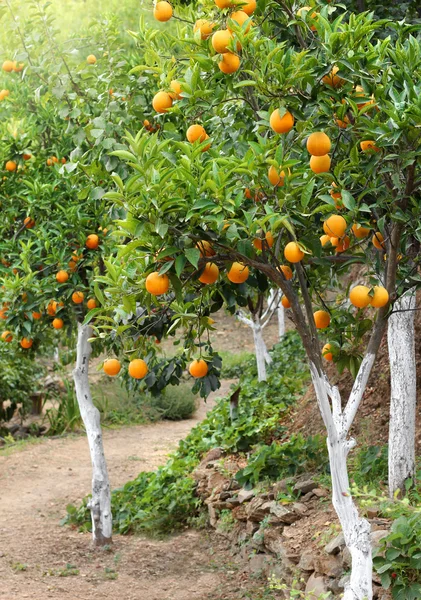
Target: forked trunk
{"points": [[403, 392], [262, 354], [100, 503]]}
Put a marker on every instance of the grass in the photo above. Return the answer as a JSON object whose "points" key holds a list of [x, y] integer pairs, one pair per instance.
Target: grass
{"points": [[233, 364]]}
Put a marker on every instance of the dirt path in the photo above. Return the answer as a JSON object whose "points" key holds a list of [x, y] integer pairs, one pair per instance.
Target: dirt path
{"points": [[39, 559]]}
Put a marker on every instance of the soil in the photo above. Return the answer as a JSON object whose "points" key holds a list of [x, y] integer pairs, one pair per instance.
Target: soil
{"points": [[41, 559]]}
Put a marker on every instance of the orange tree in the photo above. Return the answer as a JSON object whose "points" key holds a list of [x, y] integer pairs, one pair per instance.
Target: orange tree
{"points": [[300, 123], [57, 128]]}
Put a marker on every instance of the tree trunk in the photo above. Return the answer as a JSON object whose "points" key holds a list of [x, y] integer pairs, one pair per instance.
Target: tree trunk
{"points": [[100, 503], [262, 355], [281, 320], [403, 392]]}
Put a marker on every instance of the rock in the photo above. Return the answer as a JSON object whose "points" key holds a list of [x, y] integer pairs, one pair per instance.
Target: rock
{"points": [[377, 536], [304, 486], [224, 495], [320, 492], [245, 495], [232, 502], [280, 487], [372, 512], [239, 513], [334, 586], [315, 587], [343, 582], [214, 454], [300, 508], [307, 497], [329, 565], [213, 519], [346, 558], [334, 546], [306, 561], [252, 527], [257, 563], [282, 514], [258, 509]]}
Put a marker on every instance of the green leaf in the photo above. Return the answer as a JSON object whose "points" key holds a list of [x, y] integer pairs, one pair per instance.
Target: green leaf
{"points": [[193, 256]]}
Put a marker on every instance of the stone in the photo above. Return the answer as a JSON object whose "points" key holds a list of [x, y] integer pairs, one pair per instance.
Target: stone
{"points": [[335, 545], [232, 502], [372, 512], [377, 536], [334, 586], [224, 495], [257, 564], [304, 486], [214, 454], [245, 495], [258, 509], [306, 561], [315, 587], [346, 558], [281, 514], [320, 492], [300, 508], [272, 539], [239, 513], [213, 519], [329, 565], [252, 527], [307, 497], [280, 487], [343, 581]]}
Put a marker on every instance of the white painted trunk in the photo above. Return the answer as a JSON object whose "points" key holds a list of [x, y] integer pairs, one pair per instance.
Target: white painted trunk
{"points": [[262, 354], [100, 504], [403, 393], [281, 320]]}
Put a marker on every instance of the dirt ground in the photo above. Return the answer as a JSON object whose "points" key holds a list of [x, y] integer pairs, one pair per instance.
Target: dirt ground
{"points": [[40, 559]]}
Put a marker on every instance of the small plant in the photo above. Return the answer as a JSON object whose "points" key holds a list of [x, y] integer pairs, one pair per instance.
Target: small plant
{"points": [[294, 590], [370, 465], [226, 521], [18, 566], [66, 417]]}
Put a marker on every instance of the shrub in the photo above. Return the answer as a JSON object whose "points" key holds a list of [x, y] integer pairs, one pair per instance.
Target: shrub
{"points": [[174, 403]]}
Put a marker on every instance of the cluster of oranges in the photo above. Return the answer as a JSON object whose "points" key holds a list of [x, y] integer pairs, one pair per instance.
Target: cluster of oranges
{"points": [[10, 66], [149, 127], [26, 343], [53, 160], [138, 369]]}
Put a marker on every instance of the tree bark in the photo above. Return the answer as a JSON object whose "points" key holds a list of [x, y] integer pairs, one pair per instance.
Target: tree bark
{"points": [[403, 392], [281, 320], [100, 503], [262, 355]]}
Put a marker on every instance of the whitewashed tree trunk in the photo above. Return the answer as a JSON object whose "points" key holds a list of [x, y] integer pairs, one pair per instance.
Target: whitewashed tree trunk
{"points": [[356, 530], [281, 320], [262, 355], [275, 302], [403, 393], [100, 504]]}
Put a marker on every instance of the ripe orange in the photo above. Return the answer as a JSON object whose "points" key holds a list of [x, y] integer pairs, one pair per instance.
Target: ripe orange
{"points": [[268, 241], [248, 7], [27, 156], [359, 231], [210, 273], [378, 241], [326, 352], [91, 59], [286, 270], [112, 367], [7, 336], [205, 248], [335, 195], [92, 241], [198, 368], [230, 63], [157, 284], [176, 90], [321, 319], [78, 297], [369, 146], [293, 252], [11, 166], [162, 11], [220, 40], [276, 179], [324, 239], [161, 102], [26, 343], [29, 222], [342, 124], [36, 315], [281, 124], [62, 276], [380, 297], [359, 92], [238, 273], [205, 27], [318, 143], [8, 66], [320, 164], [332, 79], [52, 308], [359, 297], [196, 132], [285, 302], [72, 266], [343, 244], [207, 146], [223, 3], [138, 369], [18, 67], [240, 17], [58, 323], [335, 226], [4, 94], [312, 16], [91, 303]]}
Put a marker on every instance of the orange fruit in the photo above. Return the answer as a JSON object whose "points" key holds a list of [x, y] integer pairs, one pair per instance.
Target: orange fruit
{"points": [[335, 195], [58, 323], [359, 297], [285, 302], [78, 297], [157, 284], [112, 367], [359, 92], [72, 266], [52, 308], [342, 124], [91, 303], [198, 368], [223, 3], [26, 343], [281, 124], [11, 166], [230, 63], [321, 319], [146, 124], [240, 17], [320, 164], [332, 79], [4, 94], [205, 27], [220, 40], [62, 276], [27, 156], [7, 336], [359, 231], [238, 273], [92, 241], [91, 59], [8, 66], [378, 241], [326, 352], [324, 239], [36, 315], [138, 369], [29, 222], [369, 146], [63, 161], [161, 102], [293, 252], [335, 226], [318, 143], [18, 67], [207, 146], [343, 244], [286, 270], [276, 178], [196, 132], [210, 273], [312, 16], [380, 297], [162, 11], [176, 90], [247, 6], [49, 162], [205, 248], [268, 241]]}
